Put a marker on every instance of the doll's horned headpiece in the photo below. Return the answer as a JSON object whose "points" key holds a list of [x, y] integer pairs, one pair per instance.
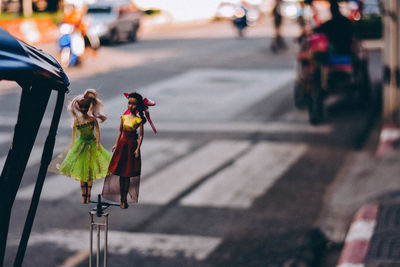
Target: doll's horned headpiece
{"points": [[147, 103]]}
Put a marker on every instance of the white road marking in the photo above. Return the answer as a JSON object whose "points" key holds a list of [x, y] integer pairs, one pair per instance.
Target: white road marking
{"points": [[55, 187], [155, 153], [205, 95], [148, 244], [251, 176], [5, 138], [361, 230], [37, 151], [244, 127], [207, 126], [172, 181], [76, 259], [352, 265]]}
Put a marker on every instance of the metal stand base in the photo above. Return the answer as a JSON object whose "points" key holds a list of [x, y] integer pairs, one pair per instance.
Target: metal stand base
{"points": [[99, 212]]}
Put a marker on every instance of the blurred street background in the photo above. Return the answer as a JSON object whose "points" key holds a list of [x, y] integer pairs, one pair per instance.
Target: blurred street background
{"points": [[236, 176]]}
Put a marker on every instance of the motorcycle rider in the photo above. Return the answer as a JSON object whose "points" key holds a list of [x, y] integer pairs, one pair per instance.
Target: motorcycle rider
{"points": [[278, 42], [240, 18], [73, 14], [339, 30]]}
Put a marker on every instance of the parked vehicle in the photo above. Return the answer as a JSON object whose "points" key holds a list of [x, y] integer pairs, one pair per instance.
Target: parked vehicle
{"points": [[321, 73], [113, 20]]}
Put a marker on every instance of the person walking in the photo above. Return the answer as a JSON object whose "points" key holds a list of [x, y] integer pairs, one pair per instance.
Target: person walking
{"points": [[278, 43]]}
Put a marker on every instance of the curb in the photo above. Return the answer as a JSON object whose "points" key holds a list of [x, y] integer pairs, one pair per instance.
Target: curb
{"points": [[390, 134], [359, 236]]}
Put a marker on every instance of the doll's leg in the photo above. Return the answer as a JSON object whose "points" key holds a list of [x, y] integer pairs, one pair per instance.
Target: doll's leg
{"points": [[89, 186], [126, 190], [123, 181], [84, 189]]}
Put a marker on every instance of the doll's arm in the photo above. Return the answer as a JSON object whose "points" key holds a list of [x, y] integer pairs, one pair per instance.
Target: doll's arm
{"points": [[118, 137], [96, 124], [139, 141], [73, 134]]}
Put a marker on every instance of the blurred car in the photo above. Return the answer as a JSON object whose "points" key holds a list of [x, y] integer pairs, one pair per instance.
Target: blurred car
{"points": [[113, 20]]}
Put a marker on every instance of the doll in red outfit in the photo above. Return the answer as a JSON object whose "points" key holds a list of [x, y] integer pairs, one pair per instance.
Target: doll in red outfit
{"points": [[126, 160]]}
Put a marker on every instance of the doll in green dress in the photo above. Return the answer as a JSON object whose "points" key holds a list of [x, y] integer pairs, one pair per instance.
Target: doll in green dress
{"points": [[86, 159]]}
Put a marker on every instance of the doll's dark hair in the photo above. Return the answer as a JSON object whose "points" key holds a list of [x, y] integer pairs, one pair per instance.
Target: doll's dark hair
{"points": [[140, 104]]}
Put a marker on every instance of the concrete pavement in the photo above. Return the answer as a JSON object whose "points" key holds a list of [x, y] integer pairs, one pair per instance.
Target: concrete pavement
{"points": [[362, 206], [371, 238]]}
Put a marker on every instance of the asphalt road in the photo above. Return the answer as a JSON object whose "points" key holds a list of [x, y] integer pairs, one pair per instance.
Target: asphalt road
{"points": [[236, 175]]}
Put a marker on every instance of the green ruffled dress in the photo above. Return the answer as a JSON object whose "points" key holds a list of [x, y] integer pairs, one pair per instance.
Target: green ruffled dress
{"points": [[84, 161]]}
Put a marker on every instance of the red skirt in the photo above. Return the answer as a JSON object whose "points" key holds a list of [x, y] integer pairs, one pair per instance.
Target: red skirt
{"points": [[123, 162]]}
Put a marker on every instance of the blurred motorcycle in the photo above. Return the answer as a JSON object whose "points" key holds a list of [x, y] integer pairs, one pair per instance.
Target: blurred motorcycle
{"points": [[321, 73], [240, 20], [71, 44]]}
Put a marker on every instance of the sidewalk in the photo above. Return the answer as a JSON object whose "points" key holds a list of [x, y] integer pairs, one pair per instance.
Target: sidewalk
{"points": [[362, 207], [366, 196], [374, 235]]}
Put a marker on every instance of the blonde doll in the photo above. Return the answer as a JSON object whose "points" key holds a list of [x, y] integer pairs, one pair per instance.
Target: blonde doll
{"points": [[86, 159]]}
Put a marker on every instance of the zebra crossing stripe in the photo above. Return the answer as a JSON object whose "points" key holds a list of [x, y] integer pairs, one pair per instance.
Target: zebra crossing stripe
{"points": [[5, 138], [37, 151], [249, 177], [154, 152], [224, 86], [231, 127], [172, 181], [244, 127], [122, 243]]}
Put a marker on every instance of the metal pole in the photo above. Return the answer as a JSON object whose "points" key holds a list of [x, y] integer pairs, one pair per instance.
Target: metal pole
{"points": [[105, 239], [397, 56], [386, 60], [44, 163], [98, 246], [98, 211], [393, 60], [91, 239], [31, 111]]}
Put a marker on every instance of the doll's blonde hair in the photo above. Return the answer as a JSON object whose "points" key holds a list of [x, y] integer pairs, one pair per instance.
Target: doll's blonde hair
{"points": [[94, 109]]}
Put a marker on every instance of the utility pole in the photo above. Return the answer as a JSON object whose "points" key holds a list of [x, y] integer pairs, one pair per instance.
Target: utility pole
{"points": [[390, 132], [390, 61], [26, 8]]}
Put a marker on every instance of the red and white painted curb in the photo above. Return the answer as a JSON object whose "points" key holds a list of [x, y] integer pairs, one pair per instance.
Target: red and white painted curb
{"points": [[359, 237], [389, 135]]}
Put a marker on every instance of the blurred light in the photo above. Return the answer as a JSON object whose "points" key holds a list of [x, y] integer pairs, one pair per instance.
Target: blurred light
{"points": [[291, 11], [239, 12], [226, 11], [77, 44], [66, 28], [253, 15]]}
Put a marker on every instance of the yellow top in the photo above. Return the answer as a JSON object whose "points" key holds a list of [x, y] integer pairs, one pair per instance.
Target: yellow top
{"points": [[130, 124]]}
